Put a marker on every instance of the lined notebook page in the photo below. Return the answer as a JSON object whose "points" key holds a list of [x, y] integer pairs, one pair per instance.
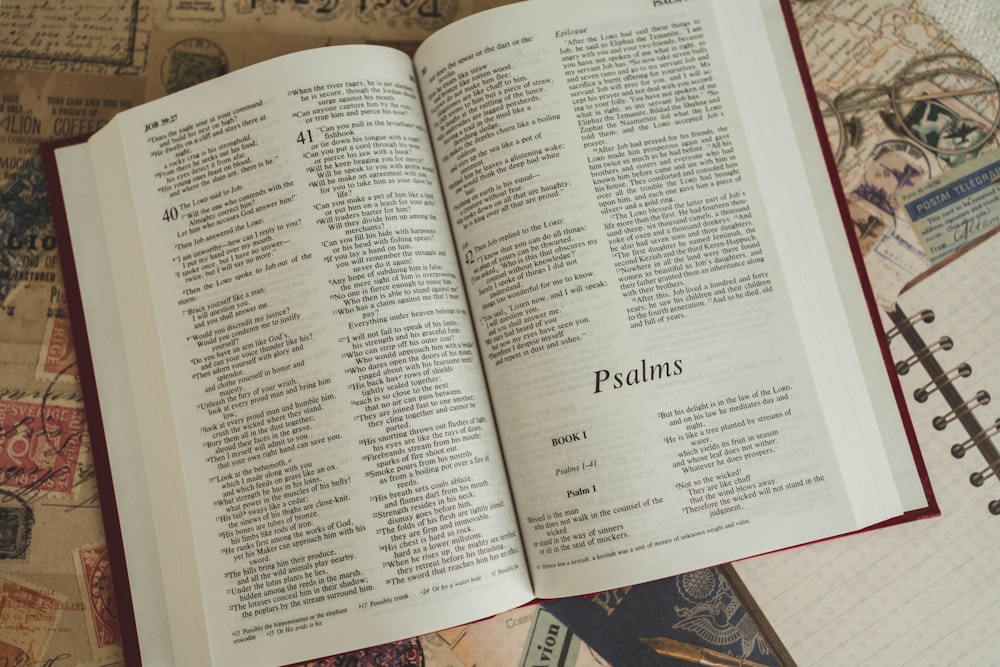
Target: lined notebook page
{"points": [[927, 592]]}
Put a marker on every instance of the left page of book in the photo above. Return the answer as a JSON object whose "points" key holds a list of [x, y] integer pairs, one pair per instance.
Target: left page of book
{"points": [[320, 459]]}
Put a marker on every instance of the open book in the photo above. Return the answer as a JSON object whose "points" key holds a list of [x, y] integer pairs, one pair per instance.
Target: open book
{"points": [[382, 346]]}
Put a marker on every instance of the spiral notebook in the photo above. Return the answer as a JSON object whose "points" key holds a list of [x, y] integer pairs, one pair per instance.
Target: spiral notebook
{"points": [[955, 336], [928, 592]]}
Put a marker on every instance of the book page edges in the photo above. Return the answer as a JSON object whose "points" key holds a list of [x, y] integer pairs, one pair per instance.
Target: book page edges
{"points": [[836, 322], [872, 346], [147, 416]]}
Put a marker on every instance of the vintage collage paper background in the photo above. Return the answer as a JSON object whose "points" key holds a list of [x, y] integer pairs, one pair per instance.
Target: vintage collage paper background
{"points": [[68, 67]]}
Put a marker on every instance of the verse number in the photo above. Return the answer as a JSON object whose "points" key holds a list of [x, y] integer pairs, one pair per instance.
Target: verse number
{"points": [[304, 137], [170, 214]]}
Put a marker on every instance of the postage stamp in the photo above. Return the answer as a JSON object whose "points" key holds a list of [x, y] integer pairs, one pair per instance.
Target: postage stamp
{"points": [[16, 520], [192, 61], [39, 447], [872, 216], [956, 132], [893, 167], [57, 356], [27, 619], [94, 573], [25, 228]]}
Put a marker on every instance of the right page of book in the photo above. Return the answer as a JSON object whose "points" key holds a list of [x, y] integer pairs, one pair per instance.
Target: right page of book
{"points": [[679, 354], [926, 592]]}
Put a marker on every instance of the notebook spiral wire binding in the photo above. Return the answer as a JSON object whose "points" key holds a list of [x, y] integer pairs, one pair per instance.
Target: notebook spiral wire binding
{"points": [[944, 343], [943, 381], [962, 370], [925, 315]]}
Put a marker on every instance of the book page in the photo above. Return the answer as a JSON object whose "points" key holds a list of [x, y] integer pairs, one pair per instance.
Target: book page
{"points": [[298, 338], [666, 337]]}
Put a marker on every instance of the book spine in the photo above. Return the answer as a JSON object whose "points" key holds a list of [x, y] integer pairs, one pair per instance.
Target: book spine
{"points": [[945, 382]]}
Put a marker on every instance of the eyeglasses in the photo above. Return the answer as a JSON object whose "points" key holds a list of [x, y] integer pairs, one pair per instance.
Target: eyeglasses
{"points": [[947, 103]]}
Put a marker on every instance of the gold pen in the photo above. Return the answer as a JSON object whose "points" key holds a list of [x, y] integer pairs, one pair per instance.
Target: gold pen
{"points": [[696, 654]]}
